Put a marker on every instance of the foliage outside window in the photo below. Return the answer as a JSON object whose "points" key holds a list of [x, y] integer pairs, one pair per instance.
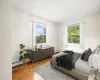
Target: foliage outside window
{"points": [[40, 34], [74, 34]]}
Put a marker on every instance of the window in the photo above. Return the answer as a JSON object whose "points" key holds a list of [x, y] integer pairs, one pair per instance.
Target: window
{"points": [[40, 34], [74, 34]]}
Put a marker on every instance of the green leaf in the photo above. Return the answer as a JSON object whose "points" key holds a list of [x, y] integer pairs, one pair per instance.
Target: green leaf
{"points": [[21, 52], [21, 57], [22, 46]]}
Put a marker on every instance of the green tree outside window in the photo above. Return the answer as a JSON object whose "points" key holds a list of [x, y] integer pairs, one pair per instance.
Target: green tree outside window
{"points": [[40, 34], [74, 34]]}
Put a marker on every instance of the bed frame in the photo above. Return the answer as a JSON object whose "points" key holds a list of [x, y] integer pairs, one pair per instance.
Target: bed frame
{"points": [[74, 73]]}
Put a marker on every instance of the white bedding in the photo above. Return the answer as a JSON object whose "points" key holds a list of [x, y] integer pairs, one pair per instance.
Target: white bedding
{"points": [[82, 66]]}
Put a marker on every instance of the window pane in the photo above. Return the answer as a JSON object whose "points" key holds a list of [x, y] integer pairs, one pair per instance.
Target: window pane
{"points": [[41, 39], [73, 30], [73, 39], [40, 30]]}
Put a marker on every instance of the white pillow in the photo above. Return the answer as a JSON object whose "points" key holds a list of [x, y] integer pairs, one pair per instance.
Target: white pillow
{"points": [[90, 60], [96, 61], [97, 50]]}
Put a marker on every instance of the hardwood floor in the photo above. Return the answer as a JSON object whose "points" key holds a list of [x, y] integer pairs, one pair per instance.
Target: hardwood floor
{"points": [[26, 72]]}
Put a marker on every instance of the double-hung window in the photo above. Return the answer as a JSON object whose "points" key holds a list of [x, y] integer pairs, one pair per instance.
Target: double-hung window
{"points": [[74, 34], [40, 33]]}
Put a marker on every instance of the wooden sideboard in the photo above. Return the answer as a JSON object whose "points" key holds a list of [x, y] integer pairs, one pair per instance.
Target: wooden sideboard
{"points": [[39, 54]]}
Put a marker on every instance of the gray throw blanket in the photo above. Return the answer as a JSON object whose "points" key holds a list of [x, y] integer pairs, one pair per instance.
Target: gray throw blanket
{"points": [[65, 61]]}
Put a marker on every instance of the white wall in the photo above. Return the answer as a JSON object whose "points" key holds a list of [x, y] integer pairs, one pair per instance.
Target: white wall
{"points": [[22, 32], [90, 31], [5, 40]]}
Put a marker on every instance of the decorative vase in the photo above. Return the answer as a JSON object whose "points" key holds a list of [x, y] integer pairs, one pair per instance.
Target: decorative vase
{"points": [[25, 60], [40, 46]]}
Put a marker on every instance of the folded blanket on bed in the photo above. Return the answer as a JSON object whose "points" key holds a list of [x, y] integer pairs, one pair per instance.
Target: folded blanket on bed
{"points": [[65, 61]]}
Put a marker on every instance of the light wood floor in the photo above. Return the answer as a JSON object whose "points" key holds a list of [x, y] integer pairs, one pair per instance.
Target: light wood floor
{"points": [[26, 72]]}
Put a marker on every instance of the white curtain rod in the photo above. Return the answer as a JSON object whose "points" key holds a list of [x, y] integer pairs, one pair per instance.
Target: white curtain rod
{"points": [[75, 24], [37, 22]]}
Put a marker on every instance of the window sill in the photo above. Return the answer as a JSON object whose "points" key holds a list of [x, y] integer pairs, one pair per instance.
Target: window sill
{"points": [[74, 43]]}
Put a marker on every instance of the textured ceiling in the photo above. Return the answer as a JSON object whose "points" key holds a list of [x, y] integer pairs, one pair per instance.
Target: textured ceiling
{"points": [[58, 10]]}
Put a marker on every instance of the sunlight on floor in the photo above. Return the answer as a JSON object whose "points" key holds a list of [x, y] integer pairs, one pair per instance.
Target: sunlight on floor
{"points": [[37, 77]]}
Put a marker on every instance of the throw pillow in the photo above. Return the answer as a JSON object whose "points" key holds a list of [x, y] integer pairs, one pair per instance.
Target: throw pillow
{"points": [[90, 60], [86, 54], [82, 56]]}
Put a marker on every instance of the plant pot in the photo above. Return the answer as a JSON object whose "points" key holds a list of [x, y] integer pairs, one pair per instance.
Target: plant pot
{"points": [[25, 60]]}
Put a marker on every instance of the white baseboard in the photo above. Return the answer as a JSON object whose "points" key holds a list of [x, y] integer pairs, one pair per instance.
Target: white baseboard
{"points": [[16, 63]]}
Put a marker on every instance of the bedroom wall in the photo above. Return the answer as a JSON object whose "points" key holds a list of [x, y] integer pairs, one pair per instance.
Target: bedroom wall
{"points": [[5, 40], [90, 32], [22, 32]]}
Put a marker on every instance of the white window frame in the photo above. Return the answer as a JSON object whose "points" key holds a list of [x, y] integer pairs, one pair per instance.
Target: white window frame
{"points": [[74, 34], [38, 23]]}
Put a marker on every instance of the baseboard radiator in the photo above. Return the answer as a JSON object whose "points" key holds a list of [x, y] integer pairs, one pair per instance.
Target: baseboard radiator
{"points": [[16, 63]]}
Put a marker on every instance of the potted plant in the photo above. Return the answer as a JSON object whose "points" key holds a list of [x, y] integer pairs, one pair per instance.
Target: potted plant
{"points": [[24, 55]]}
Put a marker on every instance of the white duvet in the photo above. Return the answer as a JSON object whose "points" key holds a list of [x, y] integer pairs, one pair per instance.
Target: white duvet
{"points": [[80, 65]]}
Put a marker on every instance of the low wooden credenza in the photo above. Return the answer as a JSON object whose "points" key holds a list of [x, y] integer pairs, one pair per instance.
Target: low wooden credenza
{"points": [[39, 54]]}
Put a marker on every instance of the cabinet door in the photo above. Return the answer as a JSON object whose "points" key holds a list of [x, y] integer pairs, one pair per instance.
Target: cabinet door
{"points": [[43, 53], [49, 51], [36, 55], [31, 55]]}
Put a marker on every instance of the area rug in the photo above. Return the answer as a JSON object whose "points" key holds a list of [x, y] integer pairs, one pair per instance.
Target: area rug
{"points": [[48, 73]]}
